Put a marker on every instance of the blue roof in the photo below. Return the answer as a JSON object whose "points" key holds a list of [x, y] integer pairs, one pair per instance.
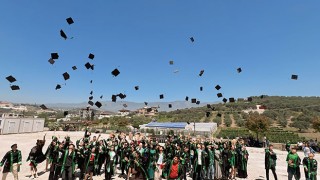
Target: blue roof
{"points": [[180, 125]]}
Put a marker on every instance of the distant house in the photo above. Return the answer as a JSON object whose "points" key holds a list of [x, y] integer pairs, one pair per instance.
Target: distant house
{"points": [[105, 114], [124, 112], [147, 111], [6, 105], [259, 109]]}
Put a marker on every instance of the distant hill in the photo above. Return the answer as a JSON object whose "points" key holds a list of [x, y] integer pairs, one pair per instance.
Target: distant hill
{"points": [[115, 106]]}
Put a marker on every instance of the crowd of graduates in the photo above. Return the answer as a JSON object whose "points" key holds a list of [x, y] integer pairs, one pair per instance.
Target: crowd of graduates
{"points": [[140, 157]]}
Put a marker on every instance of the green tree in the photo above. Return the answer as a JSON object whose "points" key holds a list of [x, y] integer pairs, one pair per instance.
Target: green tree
{"points": [[301, 125], [316, 123], [257, 123]]}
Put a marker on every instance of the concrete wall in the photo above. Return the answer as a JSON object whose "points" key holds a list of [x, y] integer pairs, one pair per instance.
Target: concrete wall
{"points": [[21, 125]]}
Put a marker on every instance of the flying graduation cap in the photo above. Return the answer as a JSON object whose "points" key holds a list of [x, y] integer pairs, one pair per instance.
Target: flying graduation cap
{"points": [[74, 68], [101, 96], [161, 96], [58, 86], [201, 88], [66, 76], [90, 102], [294, 77], [44, 107], [239, 70], [218, 87], [69, 20], [170, 105], [187, 98], [90, 98], [250, 99], [89, 66], [91, 92], [51, 61], [231, 100], [63, 35], [191, 39], [91, 56], [219, 95], [122, 96], [98, 104], [146, 103], [201, 72], [114, 98], [136, 88], [171, 62], [194, 100], [198, 102], [115, 72], [11, 79], [54, 56], [15, 87], [225, 100]]}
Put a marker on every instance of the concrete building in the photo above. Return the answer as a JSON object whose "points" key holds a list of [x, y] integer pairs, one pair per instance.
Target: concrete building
{"points": [[124, 112], [12, 125], [147, 111], [259, 109]]}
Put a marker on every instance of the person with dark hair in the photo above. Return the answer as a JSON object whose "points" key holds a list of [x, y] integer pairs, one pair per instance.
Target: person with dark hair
{"points": [[310, 166], [174, 169], [36, 156], [270, 162], [242, 162], [11, 162], [69, 162], [293, 161]]}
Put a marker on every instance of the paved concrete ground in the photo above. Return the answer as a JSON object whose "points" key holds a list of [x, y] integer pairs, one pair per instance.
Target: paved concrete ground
{"points": [[27, 141]]}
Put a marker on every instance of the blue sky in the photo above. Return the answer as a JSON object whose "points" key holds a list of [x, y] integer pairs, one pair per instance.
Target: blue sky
{"points": [[269, 40]]}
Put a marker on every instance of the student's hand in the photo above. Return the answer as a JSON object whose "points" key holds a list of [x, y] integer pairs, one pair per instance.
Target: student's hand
{"points": [[306, 169]]}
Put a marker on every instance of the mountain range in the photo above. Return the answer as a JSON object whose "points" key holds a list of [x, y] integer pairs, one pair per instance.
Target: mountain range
{"points": [[115, 106]]}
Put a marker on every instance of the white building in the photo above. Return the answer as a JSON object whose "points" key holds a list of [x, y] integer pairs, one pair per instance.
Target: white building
{"points": [[259, 109], [11, 125]]}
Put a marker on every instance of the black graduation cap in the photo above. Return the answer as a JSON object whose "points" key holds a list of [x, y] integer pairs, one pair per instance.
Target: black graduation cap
{"points": [[231, 100], [250, 99], [63, 35], [54, 56], [44, 107], [294, 77], [90, 102], [187, 98], [101, 96], [188, 122], [91, 92], [70, 20], [191, 39], [122, 96], [218, 87], [51, 61], [146, 103], [209, 106], [201, 88], [88, 65], [92, 66], [58, 86], [170, 105], [198, 102], [171, 62], [201, 72], [90, 98], [161, 96], [15, 87], [66, 76], [239, 70], [136, 88], [74, 67], [194, 100], [98, 104], [91, 56], [125, 105], [11, 79], [225, 100], [219, 95], [65, 113], [114, 98], [91, 81], [115, 72], [207, 114]]}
